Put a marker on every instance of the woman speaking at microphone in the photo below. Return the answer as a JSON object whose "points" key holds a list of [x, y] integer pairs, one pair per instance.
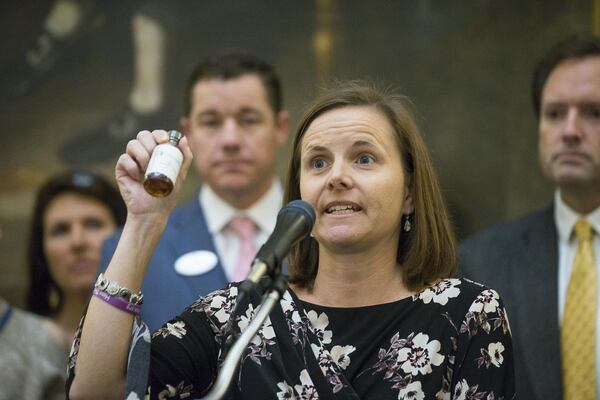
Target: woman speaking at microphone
{"points": [[371, 312]]}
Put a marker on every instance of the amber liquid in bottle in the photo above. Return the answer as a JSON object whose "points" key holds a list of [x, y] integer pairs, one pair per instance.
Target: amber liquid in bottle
{"points": [[163, 167], [158, 185]]}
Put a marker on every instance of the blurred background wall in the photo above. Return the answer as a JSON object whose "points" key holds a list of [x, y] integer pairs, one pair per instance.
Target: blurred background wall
{"points": [[465, 64]]}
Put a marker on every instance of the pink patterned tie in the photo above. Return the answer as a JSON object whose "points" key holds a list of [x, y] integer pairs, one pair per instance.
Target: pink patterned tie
{"points": [[244, 229]]}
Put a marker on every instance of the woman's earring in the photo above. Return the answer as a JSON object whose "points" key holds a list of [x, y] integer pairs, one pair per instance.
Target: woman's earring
{"points": [[407, 224], [53, 298]]}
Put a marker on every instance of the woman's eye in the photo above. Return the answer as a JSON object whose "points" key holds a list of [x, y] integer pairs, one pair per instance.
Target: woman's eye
{"points": [[94, 223], [318, 163], [366, 159], [59, 230]]}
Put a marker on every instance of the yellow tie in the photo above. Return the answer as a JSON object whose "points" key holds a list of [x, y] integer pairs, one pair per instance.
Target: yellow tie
{"points": [[578, 330]]}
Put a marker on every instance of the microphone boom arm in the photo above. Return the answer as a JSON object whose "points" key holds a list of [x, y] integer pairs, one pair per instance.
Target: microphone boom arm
{"points": [[269, 300]]}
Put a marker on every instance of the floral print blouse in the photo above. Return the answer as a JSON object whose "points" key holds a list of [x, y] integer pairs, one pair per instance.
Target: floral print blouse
{"points": [[449, 341]]}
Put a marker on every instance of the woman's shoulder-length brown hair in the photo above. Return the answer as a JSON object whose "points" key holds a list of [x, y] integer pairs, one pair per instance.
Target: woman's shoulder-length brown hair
{"points": [[427, 252]]}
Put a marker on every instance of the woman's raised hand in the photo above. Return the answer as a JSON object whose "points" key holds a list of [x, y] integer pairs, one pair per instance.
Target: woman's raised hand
{"points": [[130, 170]]}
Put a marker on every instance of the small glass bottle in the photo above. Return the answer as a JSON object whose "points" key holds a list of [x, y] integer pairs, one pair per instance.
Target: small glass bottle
{"points": [[164, 166]]}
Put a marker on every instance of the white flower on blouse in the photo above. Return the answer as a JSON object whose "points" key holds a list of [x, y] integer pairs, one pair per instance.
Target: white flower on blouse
{"points": [[442, 395], [412, 391], [180, 391], [486, 301], [495, 351], [177, 329], [222, 315], [132, 396], [319, 323], [341, 355], [266, 330], [322, 358], [460, 390], [286, 302], [441, 292], [287, 306], [419, 354], [505, 316], [286, 393], [306, 390], [219, 302], [247, 317]]}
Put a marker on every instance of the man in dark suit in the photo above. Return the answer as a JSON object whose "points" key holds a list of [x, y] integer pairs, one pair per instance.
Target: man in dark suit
{"points": [[530, 260], [235, 125]]}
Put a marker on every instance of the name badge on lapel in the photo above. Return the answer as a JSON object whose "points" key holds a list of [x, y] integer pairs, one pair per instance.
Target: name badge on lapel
{"points": [[196, 263]]}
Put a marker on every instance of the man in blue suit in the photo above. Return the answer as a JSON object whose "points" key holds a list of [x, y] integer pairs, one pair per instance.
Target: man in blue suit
{"points": [[531, 260], [235, 126]]}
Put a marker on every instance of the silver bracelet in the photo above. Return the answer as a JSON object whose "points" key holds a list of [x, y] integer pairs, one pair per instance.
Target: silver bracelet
{"points": [[114, 289]]}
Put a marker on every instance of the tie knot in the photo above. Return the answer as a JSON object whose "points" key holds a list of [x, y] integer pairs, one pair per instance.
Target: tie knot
{"points": [[583, 230], [243, 227]]}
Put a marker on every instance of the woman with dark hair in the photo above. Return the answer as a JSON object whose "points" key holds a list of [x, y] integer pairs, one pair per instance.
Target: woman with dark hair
{"points": [[74, 212], [372, 310]]}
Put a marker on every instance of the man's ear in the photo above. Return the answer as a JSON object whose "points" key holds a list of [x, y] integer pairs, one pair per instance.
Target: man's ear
{"points": [[283, 125], [184, 123]]}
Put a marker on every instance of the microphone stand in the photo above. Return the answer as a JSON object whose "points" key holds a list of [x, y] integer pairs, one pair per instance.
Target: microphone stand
{"points": [[274, 292]]}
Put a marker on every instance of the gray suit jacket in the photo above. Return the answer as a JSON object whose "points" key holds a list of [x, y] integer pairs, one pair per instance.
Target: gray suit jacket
{"points": [[519, 259]]}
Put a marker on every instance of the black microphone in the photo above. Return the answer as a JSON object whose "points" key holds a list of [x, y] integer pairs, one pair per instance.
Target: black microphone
{"points": [[294, 222]]}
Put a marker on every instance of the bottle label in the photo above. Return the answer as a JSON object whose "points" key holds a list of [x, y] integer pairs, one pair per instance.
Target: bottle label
{"points": [[166, 159]]}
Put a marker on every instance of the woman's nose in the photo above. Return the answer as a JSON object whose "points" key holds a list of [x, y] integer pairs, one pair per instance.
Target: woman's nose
{"points": [[340, 178], [77, 236]]}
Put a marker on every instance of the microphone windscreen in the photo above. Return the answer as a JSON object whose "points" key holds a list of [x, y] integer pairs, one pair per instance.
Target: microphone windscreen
{"points": [[303, 207]]}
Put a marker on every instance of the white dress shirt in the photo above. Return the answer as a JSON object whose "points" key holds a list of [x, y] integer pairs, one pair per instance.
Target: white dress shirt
{"points": [[218, 213], [565, 218]]}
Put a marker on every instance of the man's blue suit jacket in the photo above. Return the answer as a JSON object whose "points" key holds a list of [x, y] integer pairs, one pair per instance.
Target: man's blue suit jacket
{"points": [[166, 292]]}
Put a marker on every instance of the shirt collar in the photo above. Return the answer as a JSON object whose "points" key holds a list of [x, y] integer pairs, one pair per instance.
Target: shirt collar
{"points": [[218, 212], [566, 218]]}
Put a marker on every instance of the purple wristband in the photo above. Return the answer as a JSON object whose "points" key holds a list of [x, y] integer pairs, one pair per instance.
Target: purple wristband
{"points": [[118, 302]]}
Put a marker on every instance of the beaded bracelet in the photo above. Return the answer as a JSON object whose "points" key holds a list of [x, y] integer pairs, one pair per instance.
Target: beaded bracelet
{"points": [[118, 302], [113, 289]]}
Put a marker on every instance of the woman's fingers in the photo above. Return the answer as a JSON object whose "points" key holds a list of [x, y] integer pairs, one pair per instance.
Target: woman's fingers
{"points": [[138, 153], [140, 149], [127, 166], [187, 157], [160, 136]]}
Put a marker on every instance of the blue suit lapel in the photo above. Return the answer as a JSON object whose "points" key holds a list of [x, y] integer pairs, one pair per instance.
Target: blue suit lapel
{"points": [[536, 305]]}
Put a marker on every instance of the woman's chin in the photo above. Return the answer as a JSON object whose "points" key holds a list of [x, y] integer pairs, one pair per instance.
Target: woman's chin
{"points": [[342, 239], [83, 285]]}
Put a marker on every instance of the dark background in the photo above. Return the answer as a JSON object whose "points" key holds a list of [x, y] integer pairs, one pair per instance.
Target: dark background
{"points": [[465, 64]]}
